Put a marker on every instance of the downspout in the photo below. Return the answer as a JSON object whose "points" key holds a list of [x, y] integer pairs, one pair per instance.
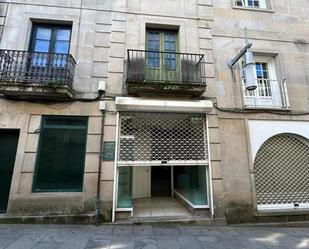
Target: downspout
{"points": [[98, 204]]}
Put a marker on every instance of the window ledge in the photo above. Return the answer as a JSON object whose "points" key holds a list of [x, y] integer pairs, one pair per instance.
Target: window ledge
{"points": [[270, 108], [268, 10]]}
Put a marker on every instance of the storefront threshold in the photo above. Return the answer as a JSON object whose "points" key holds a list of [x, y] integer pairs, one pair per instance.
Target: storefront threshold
{"points": [[165, 210], [194, 220]]}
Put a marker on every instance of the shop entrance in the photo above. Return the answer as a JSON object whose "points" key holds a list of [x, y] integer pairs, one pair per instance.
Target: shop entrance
{"points": [[161, 181], [162, 165]]}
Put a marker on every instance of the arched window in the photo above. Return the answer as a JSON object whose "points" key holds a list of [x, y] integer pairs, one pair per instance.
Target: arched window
{"points": [[281, 171]]}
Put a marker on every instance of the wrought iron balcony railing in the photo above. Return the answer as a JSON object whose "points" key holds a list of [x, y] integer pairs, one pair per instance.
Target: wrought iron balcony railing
{"points": [[36, 68], [145, 66], [268, 94]]}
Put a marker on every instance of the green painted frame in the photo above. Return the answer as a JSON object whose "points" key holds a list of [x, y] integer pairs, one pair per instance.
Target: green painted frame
{"points": [[43, 118], [160, 70]]}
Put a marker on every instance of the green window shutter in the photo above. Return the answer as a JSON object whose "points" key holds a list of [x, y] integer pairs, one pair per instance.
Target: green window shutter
{"points": [[61, 154]]}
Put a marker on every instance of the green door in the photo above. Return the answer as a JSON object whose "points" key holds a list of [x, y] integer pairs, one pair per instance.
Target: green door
{"points": [[162, 57], [8, 145]]}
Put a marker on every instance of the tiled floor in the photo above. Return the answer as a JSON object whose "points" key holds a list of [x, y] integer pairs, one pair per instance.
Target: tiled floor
{"points": [[159, 207]]}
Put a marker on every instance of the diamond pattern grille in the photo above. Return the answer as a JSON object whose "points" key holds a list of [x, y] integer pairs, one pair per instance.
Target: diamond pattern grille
{"points": [[282, 171], [162, 137]]}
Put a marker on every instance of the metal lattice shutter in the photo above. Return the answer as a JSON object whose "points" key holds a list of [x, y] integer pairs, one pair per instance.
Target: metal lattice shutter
{"points": [[162, 136], [282, 171]]}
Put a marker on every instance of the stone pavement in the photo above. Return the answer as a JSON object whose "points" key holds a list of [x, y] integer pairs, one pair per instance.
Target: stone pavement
{"points": [[151, 237]]}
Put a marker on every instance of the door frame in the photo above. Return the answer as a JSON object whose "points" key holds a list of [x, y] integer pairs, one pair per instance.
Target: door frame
{"points": [[161, 69], [206, 163], [18, 131]]}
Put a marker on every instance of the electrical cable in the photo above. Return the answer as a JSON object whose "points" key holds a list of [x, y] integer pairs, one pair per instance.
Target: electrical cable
{"points": [[283, 112]]}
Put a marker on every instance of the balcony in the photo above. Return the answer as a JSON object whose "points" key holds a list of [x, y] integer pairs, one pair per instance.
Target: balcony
{"points": [[269, 94], [26, 75], [153, 72]]}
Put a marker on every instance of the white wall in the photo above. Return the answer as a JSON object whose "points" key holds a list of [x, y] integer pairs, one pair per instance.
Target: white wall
{"points": [[261, 130]]}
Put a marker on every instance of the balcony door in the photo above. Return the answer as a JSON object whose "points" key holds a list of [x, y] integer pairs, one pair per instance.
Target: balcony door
{"points": [[50, 45], [268, 92], [162, 59]]}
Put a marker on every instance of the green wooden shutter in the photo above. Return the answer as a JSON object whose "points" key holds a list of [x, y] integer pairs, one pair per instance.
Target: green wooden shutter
{"points": [[61, 154]]}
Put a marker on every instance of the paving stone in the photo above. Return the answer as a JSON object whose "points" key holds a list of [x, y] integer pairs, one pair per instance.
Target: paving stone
{"points": [[167, 243], [151, 237], [98, 244], [145, 243], [123, 230], [4, 242], [190, 230], [142, 230], [207, 238], [122, 242], [166, 230], [76, 241], [26, 241], [47, 246], [191, 242]]}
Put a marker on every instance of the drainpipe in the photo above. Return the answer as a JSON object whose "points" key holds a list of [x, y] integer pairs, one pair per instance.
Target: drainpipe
{"points": [[102, 109]]}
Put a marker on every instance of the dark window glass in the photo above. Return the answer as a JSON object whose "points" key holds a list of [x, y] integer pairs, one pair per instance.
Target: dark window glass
{"points": [[50, 39], [61, 154], [153, 46], [170, 48]]}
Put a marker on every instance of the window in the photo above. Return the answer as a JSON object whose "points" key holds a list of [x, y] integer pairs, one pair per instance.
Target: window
{"points": [[51, 39], [161, 41], [270, 92], [61, 154], [162, 59], [251, 3]]}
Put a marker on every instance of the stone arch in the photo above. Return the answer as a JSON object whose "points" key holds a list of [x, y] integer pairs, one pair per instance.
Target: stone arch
{"points": [[281, 172]]}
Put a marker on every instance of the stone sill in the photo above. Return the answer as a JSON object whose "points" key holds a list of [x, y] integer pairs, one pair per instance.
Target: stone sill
{"points": [[263, 108], [268, 10]]}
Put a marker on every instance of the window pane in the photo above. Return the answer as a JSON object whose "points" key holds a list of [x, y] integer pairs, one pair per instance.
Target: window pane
{"points": [[63, 35], [41, 46], [60, 164], [43, 33], [125, 187], [153, 45], [61, 47], [170, 46], [190, 182]]}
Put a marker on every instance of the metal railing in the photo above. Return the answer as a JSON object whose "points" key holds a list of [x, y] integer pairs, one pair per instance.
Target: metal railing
{"points": [[36, 68], [269, 93], [146, 66]]}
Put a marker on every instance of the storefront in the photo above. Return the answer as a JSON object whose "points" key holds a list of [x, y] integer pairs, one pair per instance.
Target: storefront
{"points": [[162, 154]]}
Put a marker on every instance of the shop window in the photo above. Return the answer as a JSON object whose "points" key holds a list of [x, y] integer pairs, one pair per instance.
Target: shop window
{"points": [[125, 187], [190, 183]]}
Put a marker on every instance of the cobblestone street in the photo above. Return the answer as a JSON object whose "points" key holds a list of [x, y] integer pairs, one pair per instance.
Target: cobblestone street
{"points": [[151, 236]]}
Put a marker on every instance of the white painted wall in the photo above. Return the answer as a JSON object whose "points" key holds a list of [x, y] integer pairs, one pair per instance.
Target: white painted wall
{"points": [[261, 130]]}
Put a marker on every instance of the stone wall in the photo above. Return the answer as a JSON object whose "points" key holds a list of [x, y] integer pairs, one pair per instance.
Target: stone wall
{"points": [[280, 31]]}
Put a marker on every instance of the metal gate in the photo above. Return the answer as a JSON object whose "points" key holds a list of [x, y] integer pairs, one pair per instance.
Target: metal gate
{"points": [[281, 171], [162, 137]]}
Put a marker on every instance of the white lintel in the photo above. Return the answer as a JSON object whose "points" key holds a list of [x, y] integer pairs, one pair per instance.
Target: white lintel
{"points": [[153, 105]]}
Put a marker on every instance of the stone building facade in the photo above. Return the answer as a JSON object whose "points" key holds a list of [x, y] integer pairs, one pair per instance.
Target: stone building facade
{"points": [[146, 113]]}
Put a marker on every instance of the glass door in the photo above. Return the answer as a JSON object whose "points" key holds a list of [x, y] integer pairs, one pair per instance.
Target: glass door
{"points": [[161, 57]]}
